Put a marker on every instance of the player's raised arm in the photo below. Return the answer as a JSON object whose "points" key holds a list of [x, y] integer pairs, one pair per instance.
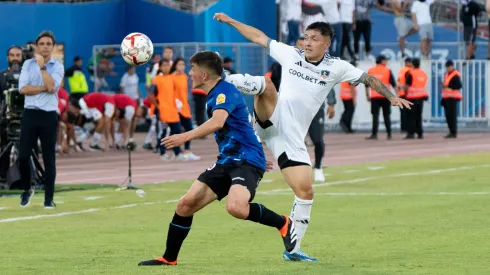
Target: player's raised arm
{"points": [[381, 88], [254, 35]]}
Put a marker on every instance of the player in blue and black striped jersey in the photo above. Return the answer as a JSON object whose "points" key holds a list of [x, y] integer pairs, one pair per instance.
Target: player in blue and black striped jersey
{"points": [[237, 172]]}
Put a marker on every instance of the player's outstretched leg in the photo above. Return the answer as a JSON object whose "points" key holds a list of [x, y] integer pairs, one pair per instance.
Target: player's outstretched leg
{"points": [[238, 206], [198, 196], [300, 180], [262, 88]]}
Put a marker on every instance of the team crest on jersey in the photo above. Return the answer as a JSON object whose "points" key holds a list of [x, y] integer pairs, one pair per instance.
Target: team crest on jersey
{"points": [[325, 73], [220, 99]]}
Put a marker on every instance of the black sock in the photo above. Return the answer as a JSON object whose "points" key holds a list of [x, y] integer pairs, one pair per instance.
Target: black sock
{"points": [[319, 152], [259, 213], [177, 232]]}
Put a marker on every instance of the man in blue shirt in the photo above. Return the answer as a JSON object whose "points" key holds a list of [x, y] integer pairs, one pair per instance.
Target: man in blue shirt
{"points": [[39, 81], [237, 172]]}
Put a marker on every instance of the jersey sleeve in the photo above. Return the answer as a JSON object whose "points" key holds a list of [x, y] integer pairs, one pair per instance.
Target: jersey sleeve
{"points": [[280, 51], [349, 73], [227, 101]]}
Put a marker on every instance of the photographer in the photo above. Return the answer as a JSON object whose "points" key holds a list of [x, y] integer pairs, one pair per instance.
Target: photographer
{"points": [[39, 81], [14, 58]]}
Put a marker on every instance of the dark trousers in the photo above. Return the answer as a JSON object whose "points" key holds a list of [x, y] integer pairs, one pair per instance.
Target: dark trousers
{"points": [[376, 105], [334, 49], [200, 108], [187, 124], [414, 118], [316, 132], [42, 125], [174, 129], [293, 32], [403, 119], [450, 109], [346, 30], [363, 27], [348, 113]]}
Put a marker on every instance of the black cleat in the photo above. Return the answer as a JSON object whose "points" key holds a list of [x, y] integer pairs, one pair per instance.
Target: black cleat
{"points": [[157, 261]]}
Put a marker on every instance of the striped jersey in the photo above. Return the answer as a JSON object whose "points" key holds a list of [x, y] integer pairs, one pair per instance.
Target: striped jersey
{"points": [[237, 142]]}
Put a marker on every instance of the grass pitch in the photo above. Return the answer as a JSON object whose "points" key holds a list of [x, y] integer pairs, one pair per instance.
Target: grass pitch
{"points": [[419, 216]]}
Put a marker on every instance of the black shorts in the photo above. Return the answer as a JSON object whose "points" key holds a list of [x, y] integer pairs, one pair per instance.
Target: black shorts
{"points": [[220, 177], [469, 34]]}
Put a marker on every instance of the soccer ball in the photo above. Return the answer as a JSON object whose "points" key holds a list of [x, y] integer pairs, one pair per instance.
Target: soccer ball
{"points": [[136, 49]]}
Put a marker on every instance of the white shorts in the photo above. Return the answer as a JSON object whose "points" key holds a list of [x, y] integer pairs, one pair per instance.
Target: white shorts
{"points": [[403, 26], [94, 113], [129, 112], [284, 136], [426, 31]]}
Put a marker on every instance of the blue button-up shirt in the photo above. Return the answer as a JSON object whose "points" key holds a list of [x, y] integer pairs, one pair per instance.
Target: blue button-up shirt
{"points": [[31, 75]]}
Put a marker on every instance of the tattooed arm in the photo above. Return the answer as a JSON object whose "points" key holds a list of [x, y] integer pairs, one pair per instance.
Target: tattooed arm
{"points": [[378, 86]]}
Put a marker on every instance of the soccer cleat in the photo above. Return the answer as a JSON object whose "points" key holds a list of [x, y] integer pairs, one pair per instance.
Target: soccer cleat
{"points": [[298, 256], [157, 261], [289, 236], [25, 198]]}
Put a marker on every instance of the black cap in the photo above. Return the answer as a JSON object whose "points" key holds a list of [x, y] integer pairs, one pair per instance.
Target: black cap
{"points": [[227, 59], [449, 63]]}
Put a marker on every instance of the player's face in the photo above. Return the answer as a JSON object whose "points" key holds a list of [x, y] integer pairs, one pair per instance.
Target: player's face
{"points": [[165, 68], [197, 76], [45, 46], [14, 56], [315, 45], [180, 67], [168, 53]]}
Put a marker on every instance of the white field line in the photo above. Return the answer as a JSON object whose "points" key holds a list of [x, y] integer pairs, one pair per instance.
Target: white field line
{"points": [[401, 175], [16, 219], [355, 194]]}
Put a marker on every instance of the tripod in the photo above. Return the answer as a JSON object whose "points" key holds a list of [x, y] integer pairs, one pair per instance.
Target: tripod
{"points": [[130, 147], [34, 162]]}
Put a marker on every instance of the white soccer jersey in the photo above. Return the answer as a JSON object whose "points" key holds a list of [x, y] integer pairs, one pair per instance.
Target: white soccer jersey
{"points": [[305, 86]]}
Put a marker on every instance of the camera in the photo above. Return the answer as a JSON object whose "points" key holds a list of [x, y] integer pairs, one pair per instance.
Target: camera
{"points": [[13, 104], [28, 50]]}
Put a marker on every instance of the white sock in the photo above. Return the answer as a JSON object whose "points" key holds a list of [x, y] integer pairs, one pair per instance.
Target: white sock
{"points": [[95, 139], [150, 134], [301, 214], [247, 84], [119, 138]]}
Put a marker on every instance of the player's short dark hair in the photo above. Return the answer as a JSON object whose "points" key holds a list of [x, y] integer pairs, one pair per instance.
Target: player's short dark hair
{"points": [[209, 60], [49, 34], [416, 63], [324, 28]]}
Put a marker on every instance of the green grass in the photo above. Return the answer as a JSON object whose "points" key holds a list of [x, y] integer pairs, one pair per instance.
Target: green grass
{"points": [[388, 224]]}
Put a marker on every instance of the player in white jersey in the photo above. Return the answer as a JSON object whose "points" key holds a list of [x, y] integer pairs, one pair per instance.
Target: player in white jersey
{"points": [[283, 120]]}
